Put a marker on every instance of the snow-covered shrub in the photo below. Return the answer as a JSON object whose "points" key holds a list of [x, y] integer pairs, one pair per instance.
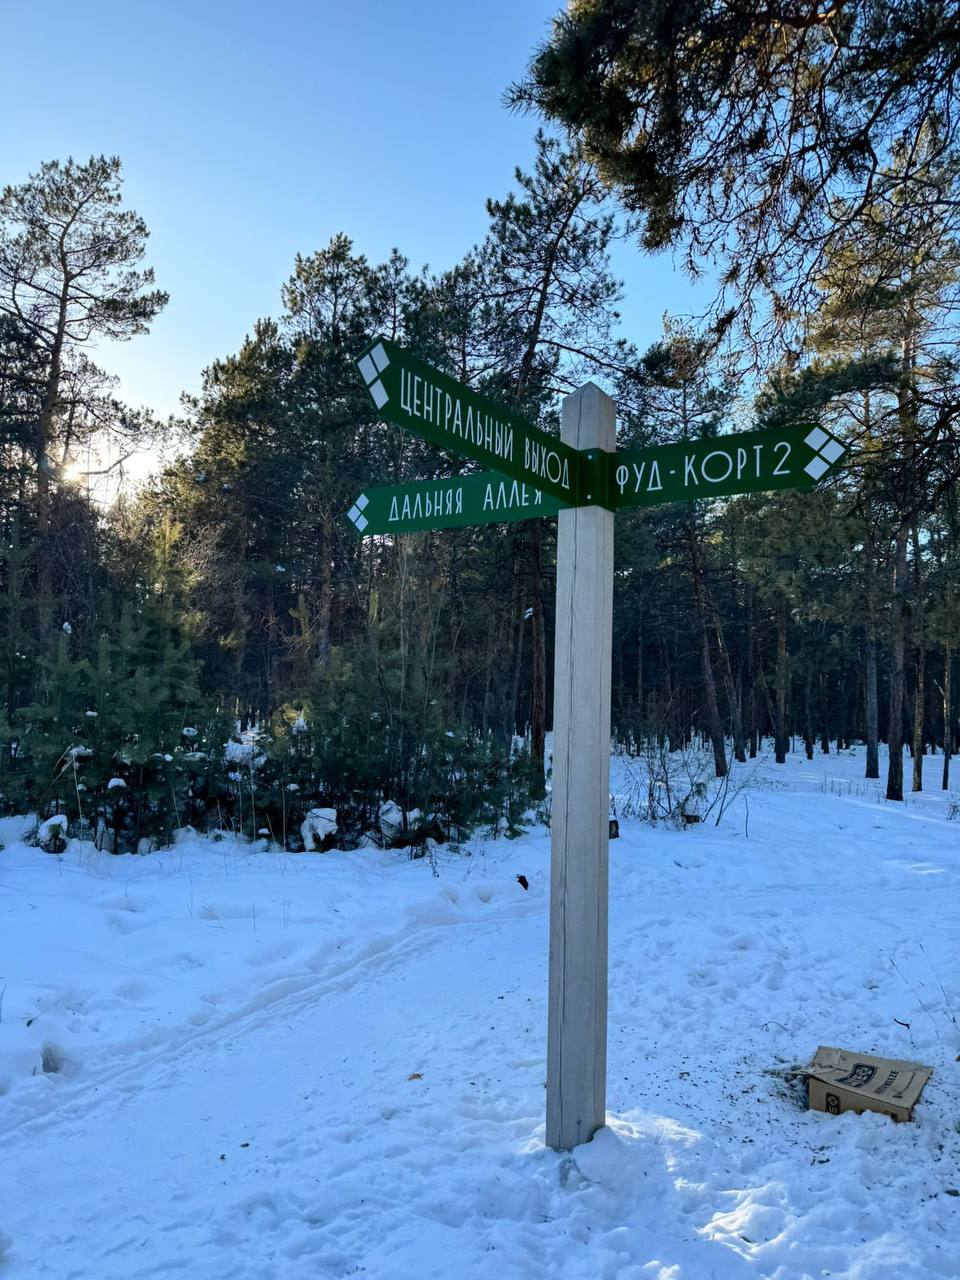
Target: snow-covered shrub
{"points": [[103, 744], [52, 834], [318, 830], [396, 771], [390, 820]]}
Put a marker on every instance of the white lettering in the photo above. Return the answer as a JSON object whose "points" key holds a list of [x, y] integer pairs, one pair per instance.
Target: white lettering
{"points": [[716, 453], [785, 446], [405, 391]]}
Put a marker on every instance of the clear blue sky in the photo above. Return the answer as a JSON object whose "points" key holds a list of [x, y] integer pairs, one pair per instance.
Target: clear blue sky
{"points": [[251, 131]]}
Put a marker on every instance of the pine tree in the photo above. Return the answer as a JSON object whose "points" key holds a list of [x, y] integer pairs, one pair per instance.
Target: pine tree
{"points": [[732, 129], [548, 321], [69, 276]]}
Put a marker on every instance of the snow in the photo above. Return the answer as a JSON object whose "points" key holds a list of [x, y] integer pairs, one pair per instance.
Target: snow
{"points": [[55, 826], [245, 752], [317, 826], [390, 817], [221, 1062]]}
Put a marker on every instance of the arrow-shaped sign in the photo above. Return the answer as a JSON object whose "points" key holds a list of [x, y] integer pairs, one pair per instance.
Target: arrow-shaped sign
{"points": [[432, 405], [487, 498], [793, 457]]}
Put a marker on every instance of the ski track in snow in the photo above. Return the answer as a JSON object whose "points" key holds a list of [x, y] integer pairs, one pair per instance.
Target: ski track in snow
{"points": [[261, 1066]]}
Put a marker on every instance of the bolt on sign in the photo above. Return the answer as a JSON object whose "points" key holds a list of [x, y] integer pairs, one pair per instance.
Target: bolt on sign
{"points": [[432, 405], [485, 498]]}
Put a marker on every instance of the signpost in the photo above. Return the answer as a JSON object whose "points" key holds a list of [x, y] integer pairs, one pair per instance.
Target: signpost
{"points": [[583, 479], [579, 815]]}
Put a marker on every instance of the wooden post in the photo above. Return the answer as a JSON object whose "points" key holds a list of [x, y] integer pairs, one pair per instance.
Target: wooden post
{"points": [[577, 1017]]}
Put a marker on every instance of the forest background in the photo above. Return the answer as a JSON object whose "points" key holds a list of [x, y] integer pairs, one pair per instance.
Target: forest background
{"points": [[228, 601]]}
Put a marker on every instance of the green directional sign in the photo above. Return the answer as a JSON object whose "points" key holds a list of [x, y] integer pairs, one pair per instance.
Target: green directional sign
{"points": [[448, 504], [413, 395], [793, 457]]}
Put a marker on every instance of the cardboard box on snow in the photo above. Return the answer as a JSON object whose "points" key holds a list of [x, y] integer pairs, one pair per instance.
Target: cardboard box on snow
{"points": [[838, 1080]]}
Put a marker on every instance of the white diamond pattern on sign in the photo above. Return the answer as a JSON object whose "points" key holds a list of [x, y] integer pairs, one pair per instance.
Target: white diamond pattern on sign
{"points": [[371, 366], [356, 512], [827, 450]]}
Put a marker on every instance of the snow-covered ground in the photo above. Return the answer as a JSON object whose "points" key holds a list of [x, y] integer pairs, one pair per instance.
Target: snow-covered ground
{"points": [[217, 1062]]}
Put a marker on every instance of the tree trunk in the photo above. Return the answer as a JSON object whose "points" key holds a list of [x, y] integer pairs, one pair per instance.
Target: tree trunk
{"points": [[918, 718], [325, 591], [808, 715], [538, 709], [897, 648], [511, 725], [780, 716], [640, 700], [947, 715], [919, 693], [714, 724], [44, 432], [752, 733], [731, 688], [870, 678]]}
